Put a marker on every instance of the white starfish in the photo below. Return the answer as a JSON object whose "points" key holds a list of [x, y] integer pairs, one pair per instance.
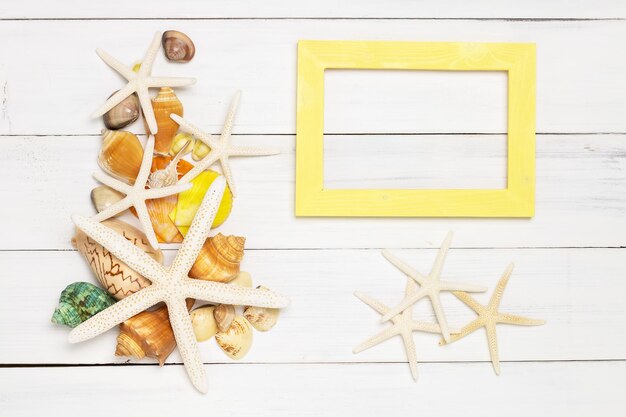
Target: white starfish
{"points": [[139, 82], [137, 194], [171, 285], [220, 150], [403, 325], [430, 286]]}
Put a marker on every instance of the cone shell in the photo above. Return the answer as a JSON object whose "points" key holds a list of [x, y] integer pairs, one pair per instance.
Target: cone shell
{"points": [[164, 104], [224, 315], [178, 47], [148, 333], [219, 258], [261, 318], [123, 114], [80, 301], [237, 340], [114, 275], [121, 154], [203, 322], [103, 196]]}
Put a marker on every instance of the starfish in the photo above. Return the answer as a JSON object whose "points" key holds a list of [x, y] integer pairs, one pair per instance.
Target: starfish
{"points": [[220, 150], [403, 325], [137, 194], [139, 82], [430, 286], [489, 316], [171, 285]]}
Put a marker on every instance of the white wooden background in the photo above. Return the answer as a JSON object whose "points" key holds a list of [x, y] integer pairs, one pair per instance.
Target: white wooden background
{"points": [[442, 130]]}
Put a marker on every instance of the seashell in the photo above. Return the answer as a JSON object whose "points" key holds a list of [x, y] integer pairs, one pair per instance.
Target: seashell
{"points": [[179, 141], [203, 322], [219, 258], [243, 279], [123, 114], [200, 150], [167, 176], [261, 318], [103, 196], [178, 47], [148, 333], [114, 275], [164, 104], [136, 66], [189, 201], [78, 302], [224, 315], [121, 154], [237, 340]]}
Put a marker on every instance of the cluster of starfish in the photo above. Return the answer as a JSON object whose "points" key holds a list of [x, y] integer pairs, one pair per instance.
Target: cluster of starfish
{"points": [[430, 287]]}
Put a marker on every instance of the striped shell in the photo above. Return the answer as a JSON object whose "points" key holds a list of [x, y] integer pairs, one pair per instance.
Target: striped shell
{"points": [[78, 302], [219, 258]]}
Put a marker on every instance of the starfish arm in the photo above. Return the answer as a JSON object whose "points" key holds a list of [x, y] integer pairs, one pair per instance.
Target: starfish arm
{"points": [[441, 317], [113, 209], [469, 301], [470, 328], [153, 193], [461, 286], [146, 164], [128, 253], [409, 347], [111, 182], [203, 164], [404, 304], [115, 314], [519, 320], [118, 66], [375, 304], [230, 118], [252, 151], [377, 339], [186, 342], [146, 223], [492, 341], [148, 60], [425, 327], [148, 111], [199, 229], [220, 293], [115, 99], [169, 81], [228, 174], [496, 297], [406, 269], [194, 130], [435, 272]]}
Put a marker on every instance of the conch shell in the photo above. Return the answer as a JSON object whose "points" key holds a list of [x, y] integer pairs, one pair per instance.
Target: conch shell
{"points": [[224, 315], [219, 258], [164, 104], [78, 302], [121, 154], [261, 318], [203, 322], [114, 275], [103, 196], [178, 47], [123, 114], [237, 340]]}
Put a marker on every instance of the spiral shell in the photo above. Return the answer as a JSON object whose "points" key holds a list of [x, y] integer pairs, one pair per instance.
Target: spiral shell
{"points": [[178, 47], [121, 154], [80, 301], [123, 114], [114, 275], [219, 258], [203, 322], [261, 318], [164, 104], [237, 340]]}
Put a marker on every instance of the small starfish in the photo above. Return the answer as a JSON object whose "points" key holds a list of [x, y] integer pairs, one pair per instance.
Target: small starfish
{"points": [[171, 285], [220, 150], [139, 82], [403, 325], [489, 316], [137, 194], [430, 286]]}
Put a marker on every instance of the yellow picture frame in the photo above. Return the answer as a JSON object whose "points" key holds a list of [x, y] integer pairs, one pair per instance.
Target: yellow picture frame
{"points": [[516, 200]]}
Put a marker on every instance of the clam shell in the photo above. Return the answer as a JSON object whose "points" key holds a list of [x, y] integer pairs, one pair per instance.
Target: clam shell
{"points": [[219, 258], [114, 275], [261, 318], [237, 340], [178, 47], [203, 322], [123, 114], [103, 196], [243, 279], [164, 104], [80, 301], [224, 315], [120, 154]]}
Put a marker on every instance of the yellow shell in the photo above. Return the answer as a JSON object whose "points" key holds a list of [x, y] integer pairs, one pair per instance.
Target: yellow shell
{"points": [[237, 340], [203, 322], [189, 202], [261, 318], [200, 150], [219, 258], [114, 275], [164, 104], [120, 154], [179, 141]]}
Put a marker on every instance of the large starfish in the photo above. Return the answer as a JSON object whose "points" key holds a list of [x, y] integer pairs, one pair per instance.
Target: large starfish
{"points": [[221, 149], [137, 194], [139, 82], [489, 316], [403, 325], [171, 285], [430, 286]]}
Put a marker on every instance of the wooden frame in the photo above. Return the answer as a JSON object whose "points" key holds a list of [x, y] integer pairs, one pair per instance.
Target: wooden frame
{"points": [[518, 60]]}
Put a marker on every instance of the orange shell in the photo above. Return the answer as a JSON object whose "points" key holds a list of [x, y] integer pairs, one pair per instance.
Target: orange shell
{"points": [[120, 154], [219, 258], [164, 104]]}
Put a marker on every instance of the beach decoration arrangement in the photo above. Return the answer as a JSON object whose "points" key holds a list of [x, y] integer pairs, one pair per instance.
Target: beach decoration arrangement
{"points": [[175, 201]]}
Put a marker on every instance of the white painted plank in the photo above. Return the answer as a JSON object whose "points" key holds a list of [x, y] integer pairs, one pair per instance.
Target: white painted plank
{"points": [[578, 291], [525, 389], [321, 8], [580, 198], [52, 90]]}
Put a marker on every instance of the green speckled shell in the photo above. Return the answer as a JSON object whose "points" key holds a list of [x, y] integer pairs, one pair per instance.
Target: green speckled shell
{"points": [[79, 301]]}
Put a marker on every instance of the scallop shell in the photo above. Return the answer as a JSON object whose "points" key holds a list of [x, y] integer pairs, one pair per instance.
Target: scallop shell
{"points": [[261, 318], [203, 322], [237, 340], [78, 302], [178, 47], [243, 279], [164, 104], [219, 258], [103, 196], [123, 114], [224, 315], [114, 275], [121, 154]]}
